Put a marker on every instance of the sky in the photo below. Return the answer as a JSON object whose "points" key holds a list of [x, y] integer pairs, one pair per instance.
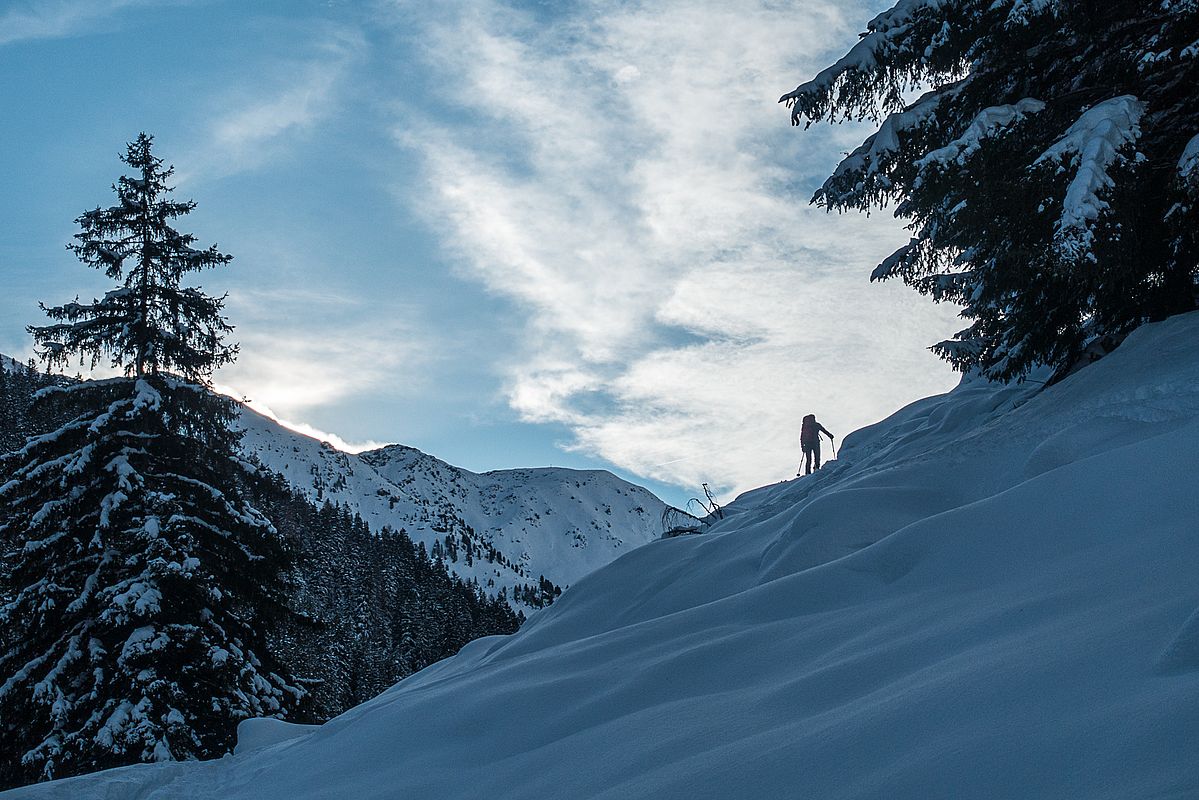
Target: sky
{"points": [[510, 234]]}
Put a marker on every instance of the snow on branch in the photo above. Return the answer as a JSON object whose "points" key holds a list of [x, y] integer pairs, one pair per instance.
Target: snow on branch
{"points": [[23, 674], [1188, 163], [883, 39], [864, 171], [891, 265], [989, 122], [1024, 11], [45, 689], [1180, 6], [1090, 147], [958, 351]]}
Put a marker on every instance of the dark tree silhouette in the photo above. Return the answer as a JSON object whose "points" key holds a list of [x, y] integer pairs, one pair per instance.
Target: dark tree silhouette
{"points": [[1049, 172]]}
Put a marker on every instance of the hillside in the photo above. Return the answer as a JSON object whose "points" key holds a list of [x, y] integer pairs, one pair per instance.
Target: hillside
{"points": [[520, 524], [504, 529], [991, 594]]}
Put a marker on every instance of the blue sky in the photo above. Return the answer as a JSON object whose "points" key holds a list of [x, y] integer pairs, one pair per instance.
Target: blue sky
{"points": [[509, 234]]}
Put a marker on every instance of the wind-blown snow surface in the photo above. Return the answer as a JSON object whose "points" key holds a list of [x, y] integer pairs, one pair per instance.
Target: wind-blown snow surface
{"points": [[991, 594], [560, 523]]}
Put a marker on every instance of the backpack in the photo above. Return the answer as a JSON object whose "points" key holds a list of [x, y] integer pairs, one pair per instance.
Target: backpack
{"points": [[809, 432]]}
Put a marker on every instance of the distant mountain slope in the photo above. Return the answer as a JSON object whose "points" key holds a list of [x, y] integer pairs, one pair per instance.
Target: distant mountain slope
{"points": [[10, 364], [506, 527], [991, 594]]}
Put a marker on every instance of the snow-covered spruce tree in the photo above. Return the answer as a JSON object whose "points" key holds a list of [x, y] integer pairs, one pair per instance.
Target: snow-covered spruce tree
{"points": [[133, 603], [1050, 172]]}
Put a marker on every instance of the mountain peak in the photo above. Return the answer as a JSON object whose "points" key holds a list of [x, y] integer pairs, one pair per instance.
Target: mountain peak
{"points": [[503, 528]]}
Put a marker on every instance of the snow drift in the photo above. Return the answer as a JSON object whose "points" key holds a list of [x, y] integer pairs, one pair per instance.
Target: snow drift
{"points": [[991, 594]]}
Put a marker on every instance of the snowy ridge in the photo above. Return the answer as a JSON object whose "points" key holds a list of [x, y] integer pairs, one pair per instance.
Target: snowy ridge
{"points": [[9, 364], [557, 523], [989, 595]]}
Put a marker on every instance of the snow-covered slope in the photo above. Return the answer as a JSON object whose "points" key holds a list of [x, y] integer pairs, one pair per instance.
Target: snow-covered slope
{"points": [[556, 523], [992, 594], [10, 364]]}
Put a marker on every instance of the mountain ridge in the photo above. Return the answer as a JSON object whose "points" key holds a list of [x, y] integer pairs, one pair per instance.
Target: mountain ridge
{"points": [[509, 530], [521, 524]]}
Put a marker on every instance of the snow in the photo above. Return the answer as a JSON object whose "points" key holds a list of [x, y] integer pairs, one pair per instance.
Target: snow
{"points": [[110, 503], [560, 523], [1024, 11], [1188, 163], [141, 640], [33, 545], [1090, 147], [145, 396], [9, 364], [141, 598], [557, 523], [884, 144], [115, 723], [260, 732], [989, 594], [867, 55], [123, 469], [48, 685], [891, 263], [887, 35], [871, 161], [988, 123]]}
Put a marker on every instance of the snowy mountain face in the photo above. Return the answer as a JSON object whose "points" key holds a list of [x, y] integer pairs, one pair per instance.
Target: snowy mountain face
{"points": [[989, 595], [507, 527], [9, 364]]}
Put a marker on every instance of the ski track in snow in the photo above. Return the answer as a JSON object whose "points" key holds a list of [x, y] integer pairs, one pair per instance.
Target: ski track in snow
{"points": [[990, 594]]}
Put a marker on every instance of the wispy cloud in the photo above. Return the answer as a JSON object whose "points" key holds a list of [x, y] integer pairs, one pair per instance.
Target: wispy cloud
{"points": [[258, 120], [52, 19], [302, 351], [633, 187]]}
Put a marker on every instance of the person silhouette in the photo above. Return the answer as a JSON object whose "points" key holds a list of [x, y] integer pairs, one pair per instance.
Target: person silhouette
{"points": [[809, 443]]}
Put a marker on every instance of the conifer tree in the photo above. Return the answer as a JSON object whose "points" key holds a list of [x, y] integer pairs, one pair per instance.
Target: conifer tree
{"points": [[1050, 172], [149, 322], [134, 598], [9, 393]]}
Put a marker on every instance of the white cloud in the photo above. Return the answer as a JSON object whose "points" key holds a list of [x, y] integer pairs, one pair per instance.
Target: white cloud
{"points": [[303, 351], [632, 186]]}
